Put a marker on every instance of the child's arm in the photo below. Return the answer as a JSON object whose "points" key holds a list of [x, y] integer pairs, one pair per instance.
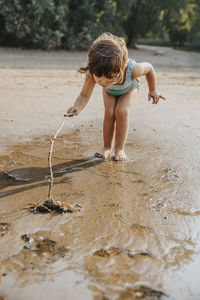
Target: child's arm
{"points": [[84, 96], [140, 69]]}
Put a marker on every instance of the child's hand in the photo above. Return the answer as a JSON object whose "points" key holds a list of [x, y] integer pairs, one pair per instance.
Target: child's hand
{"points": [[73, 110], [155, 95]]}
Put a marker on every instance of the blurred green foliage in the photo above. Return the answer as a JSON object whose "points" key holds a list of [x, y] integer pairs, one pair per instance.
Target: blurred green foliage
{"points": [[74, 24], [181, 19]]}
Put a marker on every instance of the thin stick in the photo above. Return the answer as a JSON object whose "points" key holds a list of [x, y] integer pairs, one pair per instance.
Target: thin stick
{"points": [[50, 154]]}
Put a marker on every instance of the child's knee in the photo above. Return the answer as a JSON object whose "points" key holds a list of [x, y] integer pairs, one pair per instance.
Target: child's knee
{"points": [[109, 113], [121, 113]]}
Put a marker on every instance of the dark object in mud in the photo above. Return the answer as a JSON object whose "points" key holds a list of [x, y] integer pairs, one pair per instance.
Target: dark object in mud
{"points": [[102, 253], [149, 293], [4, 226], [26, 238], [108, 252], [50, 206], [40, 246], [138, 253], [142, 292]]}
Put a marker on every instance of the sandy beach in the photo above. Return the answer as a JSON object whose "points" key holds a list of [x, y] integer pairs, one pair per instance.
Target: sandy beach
{"points": [[133, 232]]}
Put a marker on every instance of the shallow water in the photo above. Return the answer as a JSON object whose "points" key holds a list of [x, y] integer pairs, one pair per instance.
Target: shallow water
{"points": [[134, 236]]}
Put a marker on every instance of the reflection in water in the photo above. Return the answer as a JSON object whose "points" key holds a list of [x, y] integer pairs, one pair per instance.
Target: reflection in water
{"points": [[135, 229]]}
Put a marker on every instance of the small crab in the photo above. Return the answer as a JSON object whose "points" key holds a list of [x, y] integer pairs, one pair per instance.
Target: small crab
{"points": [[50, 206]]}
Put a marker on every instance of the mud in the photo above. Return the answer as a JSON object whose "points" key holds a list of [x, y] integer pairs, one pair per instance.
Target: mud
{"points": [[134, 229]]}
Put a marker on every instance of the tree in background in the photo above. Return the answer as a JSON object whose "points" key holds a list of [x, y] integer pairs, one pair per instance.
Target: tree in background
{"points": [[88, 19], [181, 19], [74, 24], [51, 24], [142, 16], [194, 33], [39, 24]]}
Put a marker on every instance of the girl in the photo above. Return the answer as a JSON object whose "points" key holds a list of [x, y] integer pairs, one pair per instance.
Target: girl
{"points": [[109, 66]]}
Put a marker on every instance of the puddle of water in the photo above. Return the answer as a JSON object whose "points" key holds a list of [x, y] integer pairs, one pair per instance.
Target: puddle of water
{"points": [[135, 228], [65, 285]]}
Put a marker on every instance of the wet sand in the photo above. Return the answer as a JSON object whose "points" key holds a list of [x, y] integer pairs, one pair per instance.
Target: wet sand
{"points": [[134, 232]]}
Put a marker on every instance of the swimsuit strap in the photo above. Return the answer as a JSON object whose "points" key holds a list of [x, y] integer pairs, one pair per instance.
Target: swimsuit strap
{"points": [[129, 69]]}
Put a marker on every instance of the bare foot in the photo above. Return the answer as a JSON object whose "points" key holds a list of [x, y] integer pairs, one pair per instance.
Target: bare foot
{"points": [[120, 155], [104, 153]]}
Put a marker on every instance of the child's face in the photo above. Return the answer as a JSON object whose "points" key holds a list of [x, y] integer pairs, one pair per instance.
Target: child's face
{"points": [[104, 81]]}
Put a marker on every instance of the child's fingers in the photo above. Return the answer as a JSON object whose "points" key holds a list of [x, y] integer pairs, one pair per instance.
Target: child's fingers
{"points": [[150, 97], [162, 97], [69, 114], [156, 99], [72, 111]]}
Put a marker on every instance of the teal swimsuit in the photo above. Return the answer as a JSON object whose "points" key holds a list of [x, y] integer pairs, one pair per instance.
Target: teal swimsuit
{"points": [[128, 85]]}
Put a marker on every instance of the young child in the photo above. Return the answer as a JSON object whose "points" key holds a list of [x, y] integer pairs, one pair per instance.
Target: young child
{"points": [[109, 66]]}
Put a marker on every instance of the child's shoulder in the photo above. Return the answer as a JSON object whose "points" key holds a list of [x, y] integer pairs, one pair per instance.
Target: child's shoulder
{"points": [[138, 69]]}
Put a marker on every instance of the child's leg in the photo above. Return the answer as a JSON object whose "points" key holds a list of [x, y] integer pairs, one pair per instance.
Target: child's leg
{"points": [[108, 125], [123, 106]]}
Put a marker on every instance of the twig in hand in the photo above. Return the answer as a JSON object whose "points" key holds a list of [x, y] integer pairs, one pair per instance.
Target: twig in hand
{"points": [[50, 154]]}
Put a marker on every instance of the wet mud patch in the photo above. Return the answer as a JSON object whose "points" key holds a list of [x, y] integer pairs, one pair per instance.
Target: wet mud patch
{"points": [[35, 260], [43, 245], [25, 171], [116, 223]]}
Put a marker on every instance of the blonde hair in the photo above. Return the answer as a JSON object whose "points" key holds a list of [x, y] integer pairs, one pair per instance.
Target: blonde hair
{"points": [[107, 56]]}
